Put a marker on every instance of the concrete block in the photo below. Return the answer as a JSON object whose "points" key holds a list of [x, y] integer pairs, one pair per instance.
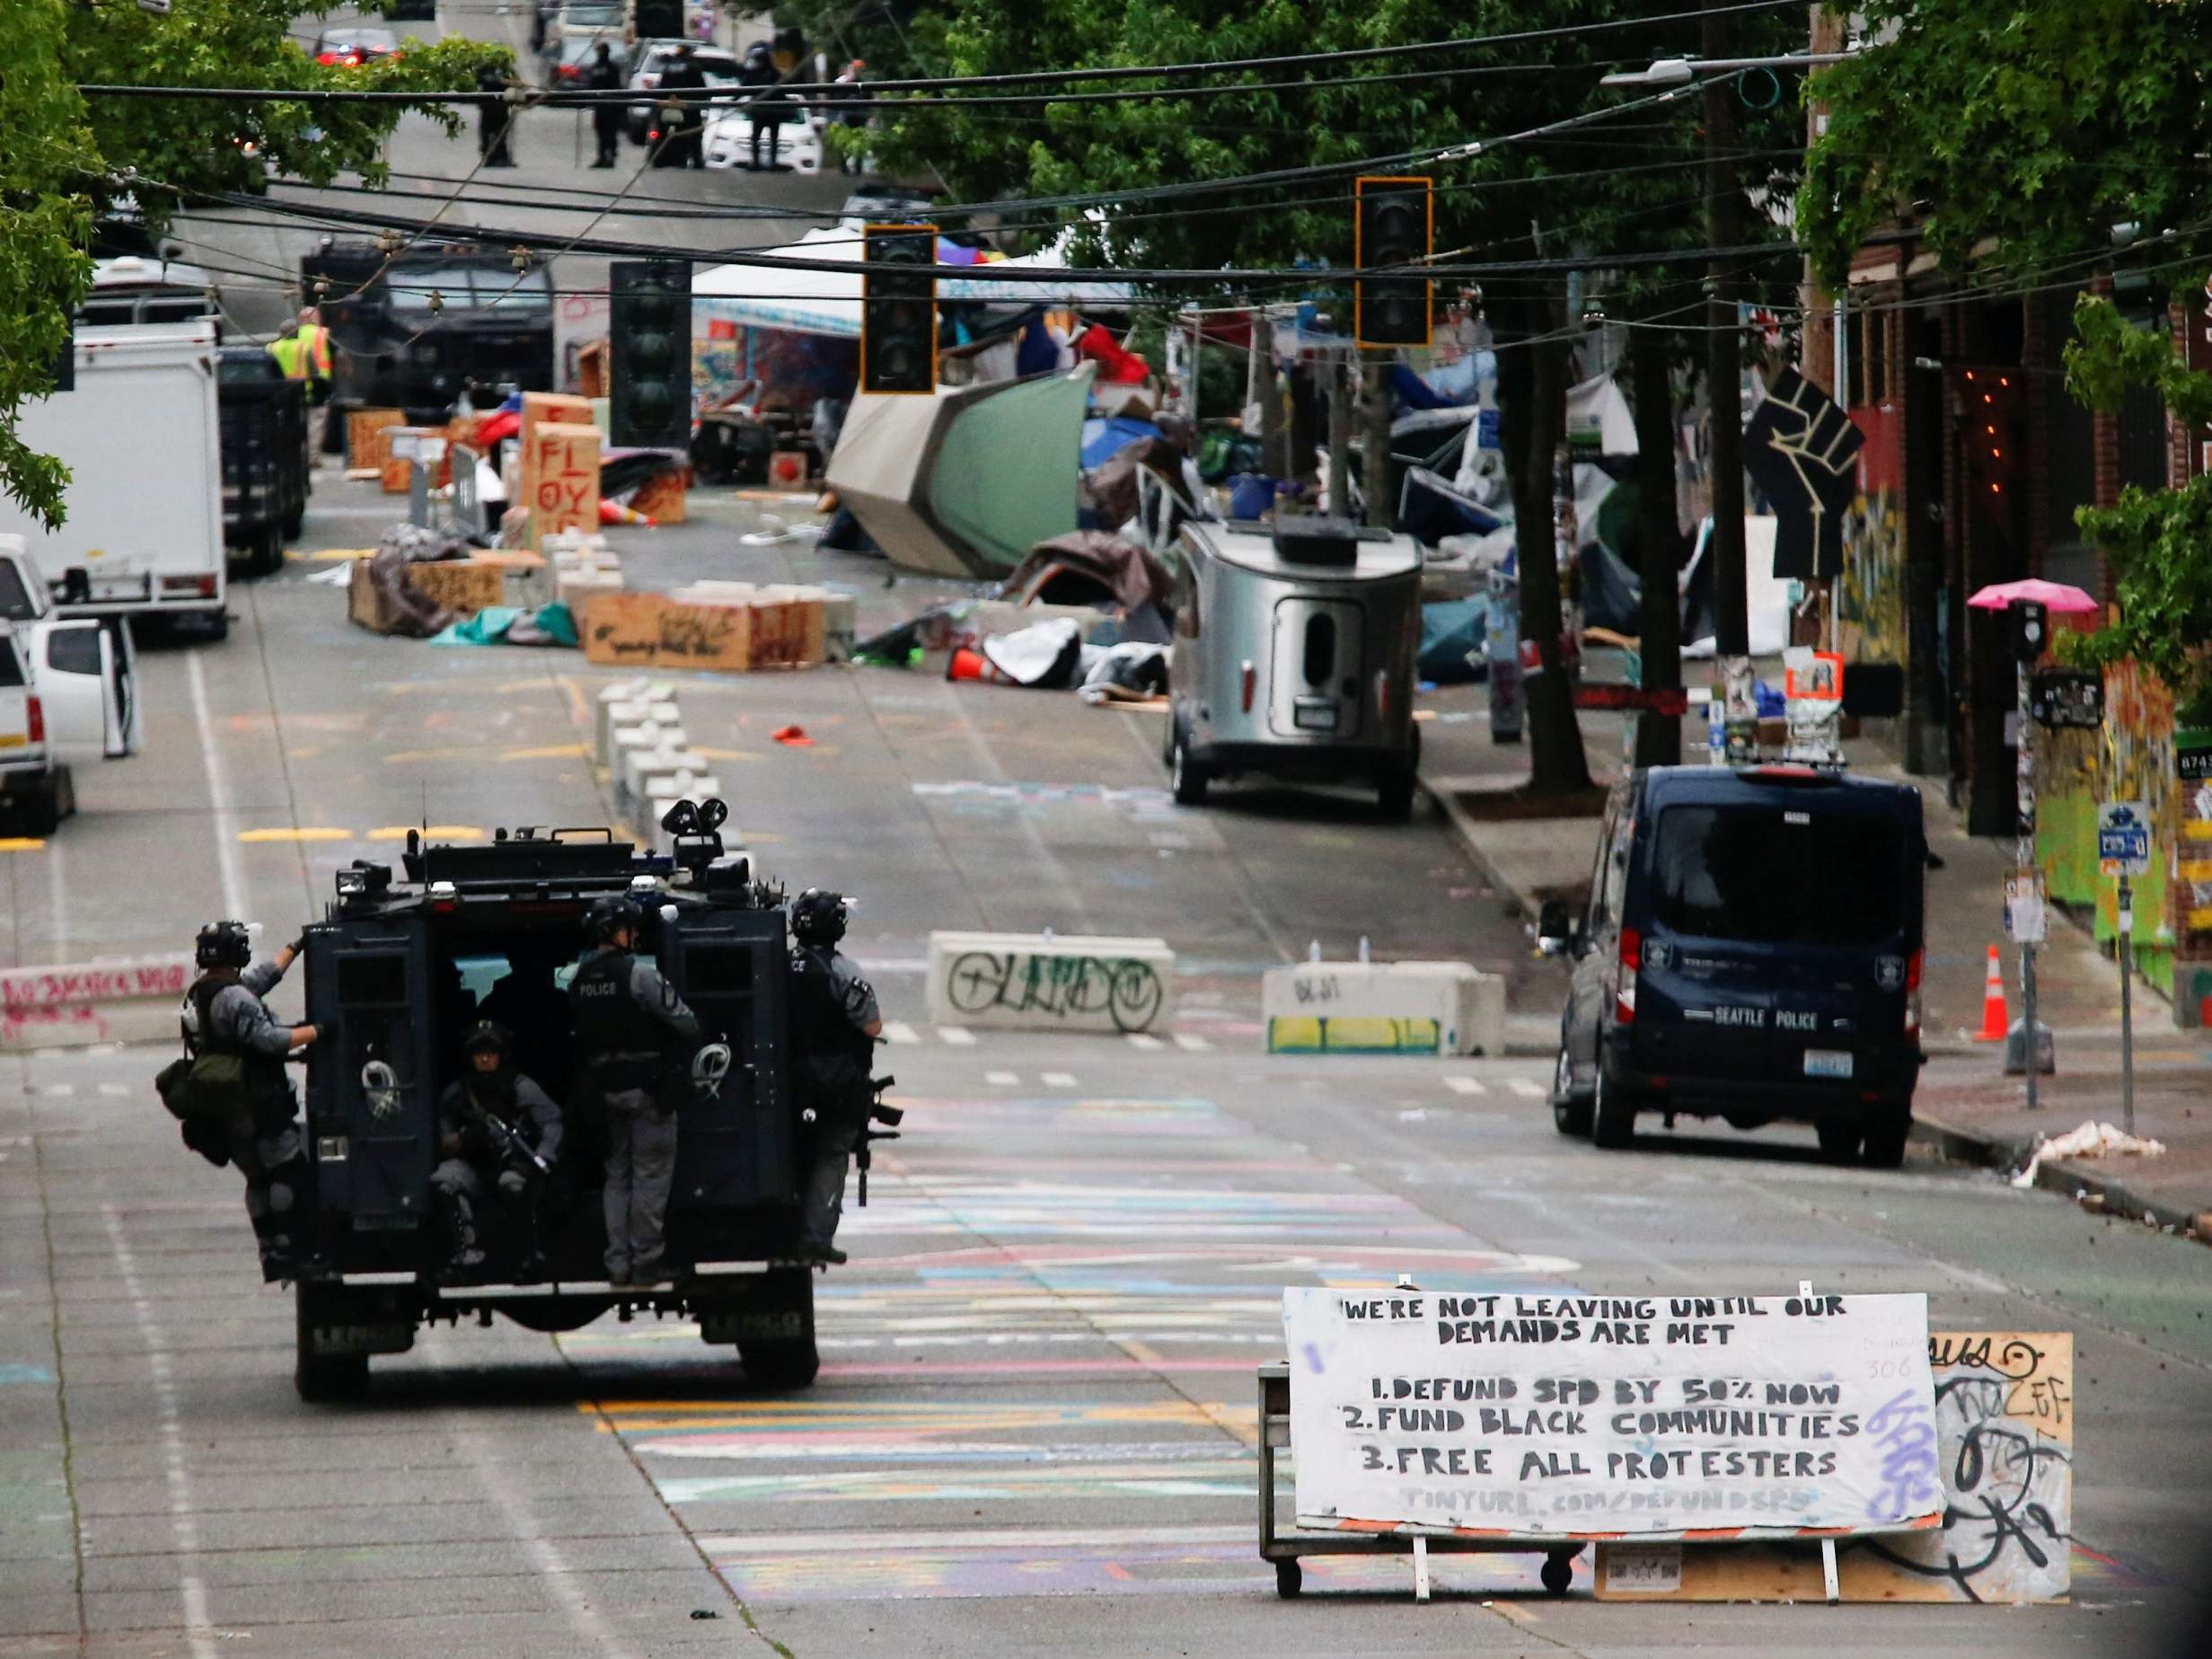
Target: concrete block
{"points": [[130, 1000], [1414, 1008], [670, 760], [1038, 981], [611, 697]]}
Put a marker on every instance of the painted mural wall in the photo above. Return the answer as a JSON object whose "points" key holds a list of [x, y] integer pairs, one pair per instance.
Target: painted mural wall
{"points": [[1871, 596]]}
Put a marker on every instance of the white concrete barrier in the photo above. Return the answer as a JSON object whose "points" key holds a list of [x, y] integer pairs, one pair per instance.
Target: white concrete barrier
{"points": [[1037, 981], [668, 759], [621, 694], [1397, 1008], [131, 1000]]}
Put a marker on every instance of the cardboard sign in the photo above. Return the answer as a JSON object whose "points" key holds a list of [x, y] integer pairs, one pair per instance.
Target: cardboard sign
{"points": [[1567, 1415], [560, 477], [2005, 1449]]}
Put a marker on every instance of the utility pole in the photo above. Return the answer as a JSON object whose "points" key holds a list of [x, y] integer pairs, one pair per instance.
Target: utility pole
{"points": [[1724, 373]]}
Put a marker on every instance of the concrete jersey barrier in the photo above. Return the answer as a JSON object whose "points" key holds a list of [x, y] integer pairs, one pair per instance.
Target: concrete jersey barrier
{"points": [[130, 999], [1394, 1007], [1036, 981]]}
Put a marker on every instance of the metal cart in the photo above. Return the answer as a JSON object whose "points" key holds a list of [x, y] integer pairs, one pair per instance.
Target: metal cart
{"points": [[1284, 1548]]}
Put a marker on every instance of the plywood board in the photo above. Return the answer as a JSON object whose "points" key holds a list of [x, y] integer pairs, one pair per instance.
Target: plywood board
{"points": [[560, 474], [364, 441], [788, 629], [662, 497], [623, 629], [464, 585], [2004, 1446], [705, 636]]}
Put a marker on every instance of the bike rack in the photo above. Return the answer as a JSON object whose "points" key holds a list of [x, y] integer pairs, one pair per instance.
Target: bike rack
{"points": [[1284, 1548]]}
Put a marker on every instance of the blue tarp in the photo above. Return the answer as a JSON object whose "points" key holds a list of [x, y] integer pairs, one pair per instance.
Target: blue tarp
{"points": [[1451, 640], [1103, 439]]}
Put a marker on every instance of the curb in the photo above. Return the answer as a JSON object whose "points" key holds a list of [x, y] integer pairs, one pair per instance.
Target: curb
{"points": [[2067, 1177], [1463, 831]]}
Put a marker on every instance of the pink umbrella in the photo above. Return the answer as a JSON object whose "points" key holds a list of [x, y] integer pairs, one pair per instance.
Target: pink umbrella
{"points": [[2054, 597]]}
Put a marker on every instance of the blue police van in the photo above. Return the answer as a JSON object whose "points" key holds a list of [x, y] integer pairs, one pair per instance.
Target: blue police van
{"points": [[1750, 951]]}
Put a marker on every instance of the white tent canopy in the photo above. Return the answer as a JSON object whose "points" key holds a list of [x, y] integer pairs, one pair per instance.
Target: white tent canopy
{"points": [[828, 301]]}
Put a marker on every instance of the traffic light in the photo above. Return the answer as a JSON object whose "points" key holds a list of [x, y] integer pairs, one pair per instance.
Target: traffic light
{"points": [[898, 309], [649, 353], [1397, 227]]}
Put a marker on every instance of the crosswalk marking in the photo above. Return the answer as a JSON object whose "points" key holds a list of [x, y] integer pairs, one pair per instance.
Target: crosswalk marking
{"points": [[959, 1036], [1190, 1042], [1526, 1088], [1060, 1080], [1003, 1080], [1146, 1041], [1465, 1085], [899, 1031]]}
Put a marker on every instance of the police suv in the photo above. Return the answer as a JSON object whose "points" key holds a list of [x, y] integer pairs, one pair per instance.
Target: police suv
{"points": [[400, 970]]}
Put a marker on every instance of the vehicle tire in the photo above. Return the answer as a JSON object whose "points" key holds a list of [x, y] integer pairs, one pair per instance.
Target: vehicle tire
{"points": [[1290, 1579], [1187, 776], [1612, 1113], [47, 806], [293, 523], [1394, 794], [1558, 1574], [1839, 1139], [320, 1378], [1571, 1112], [1887, 1131], [269, 552], [215, 627], [780, 1365]]}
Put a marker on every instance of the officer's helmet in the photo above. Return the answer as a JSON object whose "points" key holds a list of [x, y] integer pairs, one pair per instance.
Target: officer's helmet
{"points": [[488, 1033], [609, 916], [224, 944], [818, 917]]}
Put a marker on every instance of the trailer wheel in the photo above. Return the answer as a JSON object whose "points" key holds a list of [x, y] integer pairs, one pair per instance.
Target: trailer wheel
{"points": [[1558, 1572], [320, 1378], [781, 1365], [1188, 777], [1393, 793], [1290, 1579]]}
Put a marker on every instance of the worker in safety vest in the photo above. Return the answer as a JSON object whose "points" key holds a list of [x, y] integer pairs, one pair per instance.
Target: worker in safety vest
{"points": [[303, 351]]}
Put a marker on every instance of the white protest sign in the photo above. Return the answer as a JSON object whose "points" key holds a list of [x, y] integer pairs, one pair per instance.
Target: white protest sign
{"points": [[1565, 1415]]}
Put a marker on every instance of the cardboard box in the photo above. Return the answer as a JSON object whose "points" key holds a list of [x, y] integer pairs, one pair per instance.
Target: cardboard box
{"points": [[621, 630], [788, 629], [365, 443], [367, 605], [541, 407], [462, 584], [560, 473]]}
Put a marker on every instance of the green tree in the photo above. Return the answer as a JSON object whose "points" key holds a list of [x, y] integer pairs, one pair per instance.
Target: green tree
{"points": [[43, 269], [2029, 143], [2157, 539], [64, 156]]}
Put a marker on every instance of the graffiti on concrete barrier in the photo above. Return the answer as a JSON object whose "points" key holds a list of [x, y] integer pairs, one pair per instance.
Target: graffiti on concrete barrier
{"points": [[2004, 1439], [1352, 1034], [1120, 989]]}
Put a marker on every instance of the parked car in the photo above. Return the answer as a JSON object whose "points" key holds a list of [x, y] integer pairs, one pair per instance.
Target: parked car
{"points": [[728, 142], [348, 46], [641, 119], [69, 694], [1752, 950]]}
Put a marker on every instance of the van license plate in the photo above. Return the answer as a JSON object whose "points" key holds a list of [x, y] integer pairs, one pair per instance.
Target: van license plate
{"points": [[1827, 1062], [1312, 717]]}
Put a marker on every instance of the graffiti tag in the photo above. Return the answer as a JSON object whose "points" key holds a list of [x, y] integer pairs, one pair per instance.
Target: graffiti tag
{"points": [[1120, 989]]}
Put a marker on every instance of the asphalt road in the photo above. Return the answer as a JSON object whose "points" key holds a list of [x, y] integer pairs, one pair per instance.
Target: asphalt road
{"points": [[1034, 1429]]}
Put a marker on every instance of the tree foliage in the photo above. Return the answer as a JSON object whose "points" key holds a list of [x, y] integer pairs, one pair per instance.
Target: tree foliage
{"points": [[43, 270], [62, 157], [2157, 540], [2036, 127]]}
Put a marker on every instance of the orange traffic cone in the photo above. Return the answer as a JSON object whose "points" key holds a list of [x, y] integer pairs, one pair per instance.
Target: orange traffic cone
{"points": [[1994, 1022]]}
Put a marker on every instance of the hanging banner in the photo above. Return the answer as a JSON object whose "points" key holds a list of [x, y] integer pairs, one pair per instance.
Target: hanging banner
{"points": [[1567, 1416]]}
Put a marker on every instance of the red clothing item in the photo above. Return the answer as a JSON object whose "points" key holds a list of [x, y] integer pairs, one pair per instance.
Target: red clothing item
{"points": [[1117, 366]]}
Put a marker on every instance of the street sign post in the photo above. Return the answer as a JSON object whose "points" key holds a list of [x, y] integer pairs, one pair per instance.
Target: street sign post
{"points": [[2124, 850]]}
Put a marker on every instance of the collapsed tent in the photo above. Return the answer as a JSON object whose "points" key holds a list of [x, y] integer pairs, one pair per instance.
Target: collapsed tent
{"points": [[965, 482], [1089, 567]]}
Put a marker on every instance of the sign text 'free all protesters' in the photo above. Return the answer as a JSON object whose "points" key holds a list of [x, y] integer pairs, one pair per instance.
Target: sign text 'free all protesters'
{"points": [[1568, 1416]]}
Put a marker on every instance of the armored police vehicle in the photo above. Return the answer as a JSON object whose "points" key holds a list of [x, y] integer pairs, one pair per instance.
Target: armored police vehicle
{"points": [[397, 975]]}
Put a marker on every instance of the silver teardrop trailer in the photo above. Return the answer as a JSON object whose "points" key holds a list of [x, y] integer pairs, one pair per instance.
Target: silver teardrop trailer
{"points": [[1293, 657]]}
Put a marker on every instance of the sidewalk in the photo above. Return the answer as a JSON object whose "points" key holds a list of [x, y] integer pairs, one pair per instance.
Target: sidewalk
{"points": [[1965, 1105]]}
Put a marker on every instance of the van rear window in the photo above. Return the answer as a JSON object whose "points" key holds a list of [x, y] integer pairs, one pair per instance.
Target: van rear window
{"points": [[15, 600], [1766, 875]]}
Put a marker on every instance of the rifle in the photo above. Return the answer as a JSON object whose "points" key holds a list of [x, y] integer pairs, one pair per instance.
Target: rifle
{"points": [[507, 1145], [877, 1113]]}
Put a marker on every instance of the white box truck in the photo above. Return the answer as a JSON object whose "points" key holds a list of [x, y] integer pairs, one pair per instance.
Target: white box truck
{"points": [[140, 435]]}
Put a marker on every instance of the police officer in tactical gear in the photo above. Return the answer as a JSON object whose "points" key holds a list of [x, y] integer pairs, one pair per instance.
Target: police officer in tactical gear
{"points": [[628, 1018], [834, 1025], [491, 1121], [224, 1014]]}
